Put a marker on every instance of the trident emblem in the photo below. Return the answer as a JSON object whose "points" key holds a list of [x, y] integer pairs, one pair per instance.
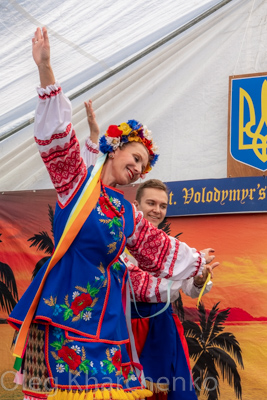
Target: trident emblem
{"points": [[259, 142]]}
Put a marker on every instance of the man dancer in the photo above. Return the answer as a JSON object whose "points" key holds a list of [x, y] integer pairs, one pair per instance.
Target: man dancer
{"points": [[159, 339]]}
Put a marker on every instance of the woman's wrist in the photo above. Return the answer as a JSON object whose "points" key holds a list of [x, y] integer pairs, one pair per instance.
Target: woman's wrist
{"points": [[46, 74]]}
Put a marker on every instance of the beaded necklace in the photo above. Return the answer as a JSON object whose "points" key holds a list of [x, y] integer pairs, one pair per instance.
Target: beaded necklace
{"points": [[110, 205]]}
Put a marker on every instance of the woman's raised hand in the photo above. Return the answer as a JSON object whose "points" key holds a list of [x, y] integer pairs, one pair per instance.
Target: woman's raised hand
{"points": [[41, 47], [91, 118], [41, 56]]}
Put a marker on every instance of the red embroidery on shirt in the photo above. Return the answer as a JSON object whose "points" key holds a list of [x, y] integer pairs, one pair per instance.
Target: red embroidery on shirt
{"points": [[91, 149], [52, 94], [65, 165], [145, 289], [137, 283], [199, 261], [142, 283], [173, 260], [150, 247], [53, 137], [157, 292], [138, 219]]}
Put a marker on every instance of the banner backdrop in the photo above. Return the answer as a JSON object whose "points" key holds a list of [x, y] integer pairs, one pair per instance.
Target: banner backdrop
{"points": [[240, 282], [217, 196]]}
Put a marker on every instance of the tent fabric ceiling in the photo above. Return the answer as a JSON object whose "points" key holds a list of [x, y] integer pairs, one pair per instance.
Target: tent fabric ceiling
{"points": [[180, 90], [87, 38]]}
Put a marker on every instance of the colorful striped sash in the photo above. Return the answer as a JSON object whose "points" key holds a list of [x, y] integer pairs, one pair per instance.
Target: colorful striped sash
{"points": [[80, 212]]}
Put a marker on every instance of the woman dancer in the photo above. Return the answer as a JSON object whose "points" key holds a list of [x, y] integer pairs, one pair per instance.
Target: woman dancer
{"points": [[73, 333]]}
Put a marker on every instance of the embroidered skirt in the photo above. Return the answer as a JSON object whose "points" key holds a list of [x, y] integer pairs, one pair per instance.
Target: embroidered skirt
{"points": [[76, 367]]}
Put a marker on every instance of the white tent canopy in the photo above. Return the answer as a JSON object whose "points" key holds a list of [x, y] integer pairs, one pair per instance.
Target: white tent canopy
{"points": [[180, 89]]}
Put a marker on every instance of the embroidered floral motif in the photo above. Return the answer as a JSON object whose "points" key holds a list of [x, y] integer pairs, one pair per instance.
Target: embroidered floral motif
{"points": [[116, 202], [84, 299], [112, 363], [87, 315], [116, 267], [72, 358], [75, 294], [100, 212], [114, 223], [116, 360], [126, 371], [81, 302], [76, 348], [105, 208], [60, 368]]}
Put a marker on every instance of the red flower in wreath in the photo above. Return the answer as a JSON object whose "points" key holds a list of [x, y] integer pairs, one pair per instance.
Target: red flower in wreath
{"points": [[116, 360], [70, 357], [80, 303], [148, 145], [125, 371], [105, 208], [114, 131]]}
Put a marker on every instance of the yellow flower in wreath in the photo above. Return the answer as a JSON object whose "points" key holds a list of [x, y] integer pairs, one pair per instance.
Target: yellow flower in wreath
{"points": [[125, 128]]}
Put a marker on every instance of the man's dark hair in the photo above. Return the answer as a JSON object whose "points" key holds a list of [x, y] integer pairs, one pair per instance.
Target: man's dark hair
{"points": [[151, 183]]}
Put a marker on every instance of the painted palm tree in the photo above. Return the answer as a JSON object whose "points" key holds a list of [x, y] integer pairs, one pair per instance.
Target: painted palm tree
{"points": [[166, 227], [43, 242], [8, 288], [212, 350]]}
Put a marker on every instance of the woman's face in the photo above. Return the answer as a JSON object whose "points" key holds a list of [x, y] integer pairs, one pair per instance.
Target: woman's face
{"points": [[129, 163]]}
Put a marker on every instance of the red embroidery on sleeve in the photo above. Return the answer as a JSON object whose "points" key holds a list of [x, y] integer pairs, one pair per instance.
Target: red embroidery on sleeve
{"points": [[52, 94], [91, 149], [150, 247], [157, 292], [173, 260], [197, 266], [53, 137], [64, 164]]}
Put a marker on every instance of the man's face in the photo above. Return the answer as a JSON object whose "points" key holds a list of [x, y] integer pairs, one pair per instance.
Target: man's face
{"points": [[153, 204]]}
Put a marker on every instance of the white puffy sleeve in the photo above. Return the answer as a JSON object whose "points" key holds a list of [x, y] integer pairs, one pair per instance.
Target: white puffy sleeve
{"points": [[190, 289], [89, 152], [57, 142]]}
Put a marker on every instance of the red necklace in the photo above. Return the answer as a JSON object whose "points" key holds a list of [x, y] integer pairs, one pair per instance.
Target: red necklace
{"points": [[111, 206]]}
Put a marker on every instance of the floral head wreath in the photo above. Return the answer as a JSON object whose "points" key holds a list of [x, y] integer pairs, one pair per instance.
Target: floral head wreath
{"points": [[132, 131]]}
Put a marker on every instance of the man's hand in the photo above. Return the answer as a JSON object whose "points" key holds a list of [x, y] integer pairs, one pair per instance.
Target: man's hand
{"points": [[201, 279], [209, 258]]}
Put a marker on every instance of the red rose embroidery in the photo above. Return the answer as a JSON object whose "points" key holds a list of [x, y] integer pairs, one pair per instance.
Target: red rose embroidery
{"points": [[116, 360], [105, 208], [70, 357], [80, 303], [114, 131], [125, 371]]}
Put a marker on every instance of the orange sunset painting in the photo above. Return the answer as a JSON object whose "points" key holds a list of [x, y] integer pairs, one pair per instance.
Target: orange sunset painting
{"points": [[238, 297]]}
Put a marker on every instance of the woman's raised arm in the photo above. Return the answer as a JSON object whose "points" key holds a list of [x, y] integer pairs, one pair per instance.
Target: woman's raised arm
{"points": [[53, 130]]}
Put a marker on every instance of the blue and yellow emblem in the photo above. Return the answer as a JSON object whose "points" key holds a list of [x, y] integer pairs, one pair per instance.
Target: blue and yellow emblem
{"points": [[248, 121]]}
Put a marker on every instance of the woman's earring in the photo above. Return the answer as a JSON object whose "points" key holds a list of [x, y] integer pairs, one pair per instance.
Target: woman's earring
{"points": [[111, 155]]}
